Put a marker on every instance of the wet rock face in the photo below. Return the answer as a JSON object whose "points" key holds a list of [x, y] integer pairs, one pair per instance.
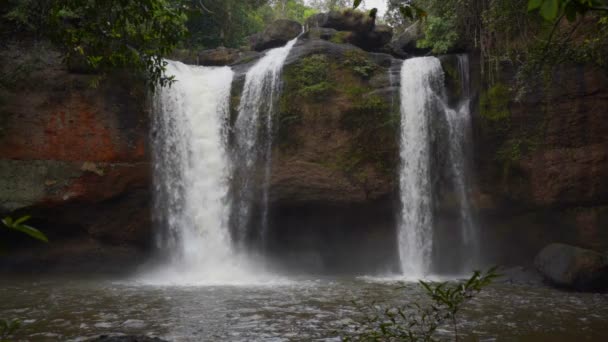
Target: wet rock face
{"points": [[333, 184], [542, 163], [73, 156], [573, 267], [218, 57], [276, 34]]}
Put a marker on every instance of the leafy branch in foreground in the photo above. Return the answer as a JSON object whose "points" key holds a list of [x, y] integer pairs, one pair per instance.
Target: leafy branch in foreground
{"points": [[8, 328], [416, 322], [18, 225]]}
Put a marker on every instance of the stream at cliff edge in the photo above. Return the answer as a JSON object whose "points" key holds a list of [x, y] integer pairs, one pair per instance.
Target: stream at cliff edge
{"points": [[295, 310]]}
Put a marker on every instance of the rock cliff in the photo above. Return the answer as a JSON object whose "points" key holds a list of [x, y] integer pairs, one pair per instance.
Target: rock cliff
{"points": [[75, 158], [542, 164]]}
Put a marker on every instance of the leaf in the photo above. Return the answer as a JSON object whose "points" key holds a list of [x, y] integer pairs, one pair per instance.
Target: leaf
{"points": [[356, 3], [570, 11], [8, 221], [31, 231], [550, 9], [22, 220], [406, 12], [534, 4]]}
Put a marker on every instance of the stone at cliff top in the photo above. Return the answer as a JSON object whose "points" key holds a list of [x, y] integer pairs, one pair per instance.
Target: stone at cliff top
{"points": [[405, 44], [352, 27], [276, 34], [348, 20], [374, 39], [573, 267], [218, 57]]}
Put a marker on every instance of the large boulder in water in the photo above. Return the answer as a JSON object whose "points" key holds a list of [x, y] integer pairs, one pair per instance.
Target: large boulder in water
{"points": [[573, 267], [276, 34]]}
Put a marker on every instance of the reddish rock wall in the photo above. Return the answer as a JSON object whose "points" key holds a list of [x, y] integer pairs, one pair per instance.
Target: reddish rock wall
{"points": [[73, 156]]}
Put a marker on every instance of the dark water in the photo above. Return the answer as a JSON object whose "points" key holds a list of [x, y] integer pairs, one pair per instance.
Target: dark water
{"points": [[296, 310]]}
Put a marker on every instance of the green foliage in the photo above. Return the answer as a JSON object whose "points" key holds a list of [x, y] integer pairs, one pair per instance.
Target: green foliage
{"points": [[130, 34], [310, 77], [359, 63], [8, 328], [107, 35], [417, 322], [550, 10], [330, 5], [374, 127], [494, 103], [213, 23], [440, 34], [26, 15], [341, 37], [19, 226]]}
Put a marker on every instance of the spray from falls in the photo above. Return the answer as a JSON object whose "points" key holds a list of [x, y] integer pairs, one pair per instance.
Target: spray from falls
{"points": [[423, 108]]}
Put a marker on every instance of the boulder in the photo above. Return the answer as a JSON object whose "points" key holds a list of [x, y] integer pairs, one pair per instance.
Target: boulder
{"points": [[520, 275], [218, 57], [573, 267], [275, 35], [348, 20], [374, 39], [405, 44], [320, 33]]}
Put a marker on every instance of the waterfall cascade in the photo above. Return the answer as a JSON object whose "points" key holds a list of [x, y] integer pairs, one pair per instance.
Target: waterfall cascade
{"points": [[423, 108], [420, 79], [253, 143], [194, 168], [191, 165]]}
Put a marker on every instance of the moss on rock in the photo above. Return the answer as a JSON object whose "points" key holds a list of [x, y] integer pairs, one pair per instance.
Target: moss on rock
{"points": [[494, 103]]}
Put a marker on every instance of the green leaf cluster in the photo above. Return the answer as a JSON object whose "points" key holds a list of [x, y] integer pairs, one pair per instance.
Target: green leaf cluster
{"points": [[19, 226], [8, 328], [551, 9], [440, 34], [417, 322], [123, 34]]}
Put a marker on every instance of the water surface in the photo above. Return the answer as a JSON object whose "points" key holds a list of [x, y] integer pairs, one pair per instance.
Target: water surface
{"points": [[295, 310]]}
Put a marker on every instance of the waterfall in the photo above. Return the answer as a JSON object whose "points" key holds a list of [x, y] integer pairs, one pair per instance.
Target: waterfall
{"points": [[191, 168], [253, 143], [423, 107], [420, 77], [459, 128]]}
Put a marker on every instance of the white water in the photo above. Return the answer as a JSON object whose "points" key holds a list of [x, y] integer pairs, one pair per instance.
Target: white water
{"points": [[420, 78], [191, 169], [422, 103], [253, 131], [459, 127]]}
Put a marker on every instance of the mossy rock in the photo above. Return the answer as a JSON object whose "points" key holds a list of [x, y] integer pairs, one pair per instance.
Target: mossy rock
{"points": [[337, 92]]}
